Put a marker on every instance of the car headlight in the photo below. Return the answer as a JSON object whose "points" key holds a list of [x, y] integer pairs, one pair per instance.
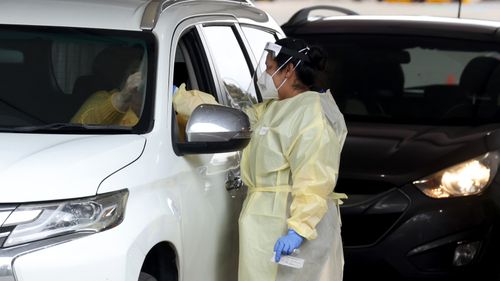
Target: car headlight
{"points": [[32, 222], [467, 178]]}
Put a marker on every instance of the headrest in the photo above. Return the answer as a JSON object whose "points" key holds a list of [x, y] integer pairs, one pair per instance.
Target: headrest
{"points": [[493, 85], [113, 63], [477, 73], [385, 77]]}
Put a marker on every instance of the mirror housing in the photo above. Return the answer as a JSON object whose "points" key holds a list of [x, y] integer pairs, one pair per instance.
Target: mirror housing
{"points": [[215, 129]]}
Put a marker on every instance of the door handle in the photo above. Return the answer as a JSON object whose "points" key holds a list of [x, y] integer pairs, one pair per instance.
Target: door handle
{"points": [[233, 180]]}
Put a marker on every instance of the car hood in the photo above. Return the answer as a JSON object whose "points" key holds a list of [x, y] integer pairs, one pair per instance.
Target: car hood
{"points": [[36, 167], [399, 154]]}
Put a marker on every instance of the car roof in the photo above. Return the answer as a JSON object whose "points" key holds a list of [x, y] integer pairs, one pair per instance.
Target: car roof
{"points": [[102, 14], [106, 14], [398, 25]]}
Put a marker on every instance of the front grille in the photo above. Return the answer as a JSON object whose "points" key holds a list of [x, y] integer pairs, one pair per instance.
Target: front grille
{"points": [[362, 230]]}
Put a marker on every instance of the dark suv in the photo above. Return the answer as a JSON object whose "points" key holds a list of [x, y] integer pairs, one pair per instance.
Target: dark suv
{"points": [[421, 97]]}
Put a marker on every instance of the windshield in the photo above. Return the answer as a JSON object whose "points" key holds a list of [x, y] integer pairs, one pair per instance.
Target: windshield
{"points": [[74, 80], [417, 80]]}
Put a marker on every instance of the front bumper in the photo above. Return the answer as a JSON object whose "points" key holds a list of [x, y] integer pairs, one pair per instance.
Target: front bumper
{"points": [[102, 256], [9, 255], [403, 234]]}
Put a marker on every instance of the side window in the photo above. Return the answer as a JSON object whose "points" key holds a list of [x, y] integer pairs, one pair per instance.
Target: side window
{"points": [[191, 65], [231, 64], [71, 61], [434, 67], [183, 68], [192, 68], [257, 38]]}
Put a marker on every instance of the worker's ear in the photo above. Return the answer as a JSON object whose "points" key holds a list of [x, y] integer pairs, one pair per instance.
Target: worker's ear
{"points": [[289, 69]]}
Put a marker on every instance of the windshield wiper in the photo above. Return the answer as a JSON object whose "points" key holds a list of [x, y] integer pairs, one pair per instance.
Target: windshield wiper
{"points": [[68, 128]]}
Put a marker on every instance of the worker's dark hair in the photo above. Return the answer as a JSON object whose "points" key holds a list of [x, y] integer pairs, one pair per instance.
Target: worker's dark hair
{"points": [[312, 60]]}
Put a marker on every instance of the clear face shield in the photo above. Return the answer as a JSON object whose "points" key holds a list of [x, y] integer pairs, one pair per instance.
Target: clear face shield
{"points": [[268, 67]]}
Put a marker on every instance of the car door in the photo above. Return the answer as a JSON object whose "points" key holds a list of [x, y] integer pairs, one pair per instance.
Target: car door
{"points": [[210, 194], [211, 56], [233, 63], [233, 66]]}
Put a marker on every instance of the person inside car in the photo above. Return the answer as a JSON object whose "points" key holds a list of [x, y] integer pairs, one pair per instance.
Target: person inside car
{"points": [[117, 107]]}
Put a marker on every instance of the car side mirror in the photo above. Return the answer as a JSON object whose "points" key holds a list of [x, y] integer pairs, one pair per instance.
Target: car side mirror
{"points": [[214, 129]]}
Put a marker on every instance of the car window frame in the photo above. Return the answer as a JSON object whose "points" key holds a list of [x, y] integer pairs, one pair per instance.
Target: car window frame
{"points": [[210, 83]]}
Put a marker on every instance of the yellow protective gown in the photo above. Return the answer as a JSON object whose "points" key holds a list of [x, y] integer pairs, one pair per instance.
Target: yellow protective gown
{"points": [[185, 101], [98, 109], [290, 167]]}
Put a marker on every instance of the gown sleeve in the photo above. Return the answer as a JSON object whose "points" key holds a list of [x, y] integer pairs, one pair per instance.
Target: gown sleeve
{"points": [[98, 109], [185, 101], [314, 158]]}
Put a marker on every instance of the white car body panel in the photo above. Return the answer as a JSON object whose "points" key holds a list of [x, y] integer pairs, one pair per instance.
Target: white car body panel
{"points": [[114, 255], [42, 167]]}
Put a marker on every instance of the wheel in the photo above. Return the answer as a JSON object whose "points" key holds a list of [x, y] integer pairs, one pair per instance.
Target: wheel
{"points": [[146, 277]]}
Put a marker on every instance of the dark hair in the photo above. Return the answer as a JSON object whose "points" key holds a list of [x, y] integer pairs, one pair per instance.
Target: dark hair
{"points": [[313, 63]]}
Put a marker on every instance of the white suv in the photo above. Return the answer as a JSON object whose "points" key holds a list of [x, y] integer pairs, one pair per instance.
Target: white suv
{"points": [[119, 202]]}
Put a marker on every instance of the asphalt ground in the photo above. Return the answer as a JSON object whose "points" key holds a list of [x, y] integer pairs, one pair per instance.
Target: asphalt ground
{"points": [[282, 10]]}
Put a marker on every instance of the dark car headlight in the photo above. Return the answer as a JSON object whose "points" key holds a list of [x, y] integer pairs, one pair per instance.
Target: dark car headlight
{"points": [[467, 178]]}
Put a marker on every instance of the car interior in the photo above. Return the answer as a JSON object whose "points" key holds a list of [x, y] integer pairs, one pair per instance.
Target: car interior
{"points": [[109, 72], [25, 77], [191, 68], [418, 80], [46, 78]]}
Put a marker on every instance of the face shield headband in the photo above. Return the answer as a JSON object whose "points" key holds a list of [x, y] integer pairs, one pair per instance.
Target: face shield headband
{"points": [[264, 80], [275, 49]]}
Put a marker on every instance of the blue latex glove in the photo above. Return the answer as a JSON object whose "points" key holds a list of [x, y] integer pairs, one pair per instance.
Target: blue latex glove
{"points": [[286, 244]]}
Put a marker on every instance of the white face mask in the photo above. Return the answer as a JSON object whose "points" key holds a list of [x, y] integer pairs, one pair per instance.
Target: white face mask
{"points": [[266, 86]]}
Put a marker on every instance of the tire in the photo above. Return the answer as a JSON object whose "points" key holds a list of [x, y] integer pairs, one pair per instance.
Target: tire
{"points": [[146, 277]]}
